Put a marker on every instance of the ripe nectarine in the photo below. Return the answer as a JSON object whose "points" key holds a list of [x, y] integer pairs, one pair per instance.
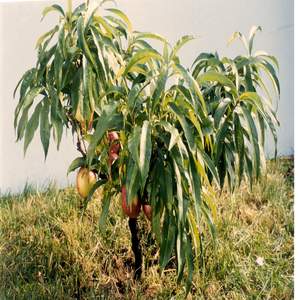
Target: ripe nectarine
{"points": [[85, 181], [147, 209], [133, 210]]}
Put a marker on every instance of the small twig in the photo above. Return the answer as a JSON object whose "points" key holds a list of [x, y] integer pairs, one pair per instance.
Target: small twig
{"points": [[79, 147], [80, 141]]}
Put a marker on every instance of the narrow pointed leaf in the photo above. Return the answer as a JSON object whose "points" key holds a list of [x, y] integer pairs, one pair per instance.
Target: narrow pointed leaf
{"points": [[254, 139], [121, 15], [105, 210], [76, 163], [32, 126], [180, 43], [54, 7], [218, 77], [45, 126], [167, 241], [145, 152]]}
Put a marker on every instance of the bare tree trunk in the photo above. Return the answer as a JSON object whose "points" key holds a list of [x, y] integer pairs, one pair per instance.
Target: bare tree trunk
{"points": [[136, 248]]}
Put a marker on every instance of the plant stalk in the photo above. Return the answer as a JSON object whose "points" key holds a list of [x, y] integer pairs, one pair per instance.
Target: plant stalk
{"points": [[136, 248]]}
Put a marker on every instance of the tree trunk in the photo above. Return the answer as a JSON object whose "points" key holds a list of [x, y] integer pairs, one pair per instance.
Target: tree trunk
{"points": [[136, 248]]}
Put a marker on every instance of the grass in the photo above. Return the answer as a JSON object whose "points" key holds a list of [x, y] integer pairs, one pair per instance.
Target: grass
{"points": [[47, 251]]}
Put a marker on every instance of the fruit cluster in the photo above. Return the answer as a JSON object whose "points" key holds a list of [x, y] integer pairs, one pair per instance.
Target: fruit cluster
{"points": [[86, 179]]}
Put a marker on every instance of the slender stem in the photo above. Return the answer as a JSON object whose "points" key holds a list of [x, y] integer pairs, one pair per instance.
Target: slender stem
{"points": [[136, 248], [79, 147], [69, 8]]}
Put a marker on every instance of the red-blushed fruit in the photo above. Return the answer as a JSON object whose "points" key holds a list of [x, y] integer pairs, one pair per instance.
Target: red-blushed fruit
{"points": [[133, 210], [113, 153], [112, 158], [113, 136], [84, 181], [114, 148], [147, 209]]}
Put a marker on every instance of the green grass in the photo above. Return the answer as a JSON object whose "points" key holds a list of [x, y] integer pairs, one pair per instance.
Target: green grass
{"points": [[47, 251]]}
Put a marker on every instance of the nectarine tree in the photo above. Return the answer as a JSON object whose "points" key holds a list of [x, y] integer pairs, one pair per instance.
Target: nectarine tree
{"points": [[147, 125]]}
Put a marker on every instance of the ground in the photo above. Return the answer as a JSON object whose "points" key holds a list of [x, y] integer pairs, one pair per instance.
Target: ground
{"points": [[48, 250]]}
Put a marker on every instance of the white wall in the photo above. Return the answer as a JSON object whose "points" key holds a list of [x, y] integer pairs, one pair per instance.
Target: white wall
{"points": [[213, 21]]}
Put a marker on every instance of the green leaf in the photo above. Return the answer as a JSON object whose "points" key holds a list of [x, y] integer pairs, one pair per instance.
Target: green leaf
{"points": [[32, 126], [194, 89], [194, 228], [270, 71], [25, 82], [108, 28], [218, 77], [27, 101], [105, 209], [265, 55], [190, 265], [58, 131], [179, 192], [272, 127], [180, 43], [175, 136], [57, 63], [239, 144], [249, 80], [188, 132], [207, 215], [98, 61], [121, 28], [76, 163], [45, 35], [219, 113], [44, 58], [132, 181], [154, 194], [121, 15], [22, 124], [196, 187], [107, 120], [140, 148], [30, 96], [186, 93], [134, 143], [145, 152], [180, 250], [45, 126], [167, 240], [115, 91], [94, 188], [252, 33], [220, 138], [250, 95], [254, 139], [233, 70], [82, 43], [241, 37], [160, 87], [230, 163], [149, 35], [249, 169], [54, 7], [132, 96], [168, 182], [142, 56]]}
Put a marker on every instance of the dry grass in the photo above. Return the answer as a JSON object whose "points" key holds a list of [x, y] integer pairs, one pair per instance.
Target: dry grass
{"points": [[47, 251]]}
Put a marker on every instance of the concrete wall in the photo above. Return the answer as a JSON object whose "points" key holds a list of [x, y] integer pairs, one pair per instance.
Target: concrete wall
{"points": [[213, 21]]}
